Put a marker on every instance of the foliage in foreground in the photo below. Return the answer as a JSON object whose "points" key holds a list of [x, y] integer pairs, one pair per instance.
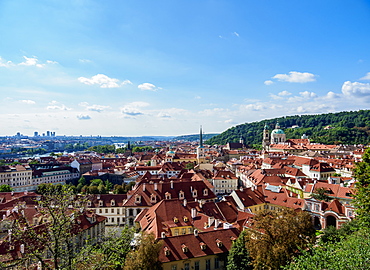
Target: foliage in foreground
{"points": [[238, 257], [276, 236], [352, 253]]}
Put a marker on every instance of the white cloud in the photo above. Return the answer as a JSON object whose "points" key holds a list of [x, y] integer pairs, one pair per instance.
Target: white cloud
{"points": [[300, 109], [356, 89], [103, 81], [296, 77], [228, 121], [284, 93], [197, 97], [308, 95], [27, 101], [331, 95], [55, 105], [366, 77], [134, 108], [254, 107], [268, 82], [6, 64], [83, 117], [164, 115], [236, 34], [31, 61], [147, 86], [85, 61], [95, 107]]}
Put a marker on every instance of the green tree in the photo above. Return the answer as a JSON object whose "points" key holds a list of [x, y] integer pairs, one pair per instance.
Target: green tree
{"points": [[238, 257], [189, 166], [109, 254], [5, 188], [351, 253], [145, 256], [320, 194], [361, 173], [54, 238], [276, 236]]}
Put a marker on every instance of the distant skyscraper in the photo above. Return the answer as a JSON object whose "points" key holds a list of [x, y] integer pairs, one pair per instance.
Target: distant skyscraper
{"points": [[48, 133], [35, 134]]}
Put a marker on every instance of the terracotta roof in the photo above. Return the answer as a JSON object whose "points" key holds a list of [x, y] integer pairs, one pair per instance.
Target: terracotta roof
{"points": [[184, 247]]}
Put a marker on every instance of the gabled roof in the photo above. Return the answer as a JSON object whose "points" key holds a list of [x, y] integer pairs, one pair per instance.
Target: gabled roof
{"points": [[188, 246]]}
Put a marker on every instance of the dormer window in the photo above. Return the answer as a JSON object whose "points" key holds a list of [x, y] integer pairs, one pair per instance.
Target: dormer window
{"points": [[153, 198], [175, 220], [181, 195], [137, 198], [112, 203], [219, 243], [88, 203], [167, 251], [186, 219], [167, 196], [205, 192], [184, 248], [100, 203], [195, 193], [203, 246]]}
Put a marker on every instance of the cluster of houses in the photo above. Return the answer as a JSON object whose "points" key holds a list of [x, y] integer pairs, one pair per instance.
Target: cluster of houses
{"points": [[197, 199]]}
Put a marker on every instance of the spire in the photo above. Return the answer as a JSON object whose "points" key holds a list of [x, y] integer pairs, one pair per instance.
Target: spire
{"points": [[201, 137]]}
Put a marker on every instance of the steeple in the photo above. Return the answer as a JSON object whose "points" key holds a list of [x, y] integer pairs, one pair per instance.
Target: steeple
{"points": [[201, 137]]}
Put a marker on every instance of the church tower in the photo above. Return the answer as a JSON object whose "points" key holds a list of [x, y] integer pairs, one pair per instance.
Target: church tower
{"points": [[277, 135], [265, 138], [201, 157]]}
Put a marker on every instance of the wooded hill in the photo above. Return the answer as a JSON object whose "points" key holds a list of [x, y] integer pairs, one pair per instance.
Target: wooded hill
{"points": [[351, 127]]}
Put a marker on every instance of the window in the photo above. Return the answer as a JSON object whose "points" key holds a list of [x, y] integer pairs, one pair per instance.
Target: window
{"points": [[208, 264], [174, 267], [130, 212], [183, 231], [217, 263], [196, 265], [187, 266], [176, 232]]}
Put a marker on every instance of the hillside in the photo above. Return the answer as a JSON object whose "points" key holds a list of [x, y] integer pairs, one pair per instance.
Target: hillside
{"points": [[346, 128], [195, 137]]}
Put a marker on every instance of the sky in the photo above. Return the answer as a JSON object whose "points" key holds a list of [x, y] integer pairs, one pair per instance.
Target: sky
{"points": [[167, 67]]}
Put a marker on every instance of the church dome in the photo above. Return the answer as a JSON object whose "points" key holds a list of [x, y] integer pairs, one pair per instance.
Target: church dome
{"points": [[277, 131]]}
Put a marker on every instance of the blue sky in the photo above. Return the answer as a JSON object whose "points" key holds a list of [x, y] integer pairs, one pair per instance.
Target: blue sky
{"points": [[132, 68]]}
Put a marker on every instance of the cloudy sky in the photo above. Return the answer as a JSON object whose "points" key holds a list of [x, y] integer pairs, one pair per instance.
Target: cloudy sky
{"points": [[165, 67]]}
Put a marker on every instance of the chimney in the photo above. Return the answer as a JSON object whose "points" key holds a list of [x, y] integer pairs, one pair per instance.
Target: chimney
{"points": [[144, 186], [193, 213], [217, 222], [155, 186], [171, 184], [210, 221], [185, 202]]}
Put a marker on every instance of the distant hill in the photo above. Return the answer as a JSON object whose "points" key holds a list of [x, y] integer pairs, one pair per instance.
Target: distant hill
{"points": [[332, 128], [192, 138]]}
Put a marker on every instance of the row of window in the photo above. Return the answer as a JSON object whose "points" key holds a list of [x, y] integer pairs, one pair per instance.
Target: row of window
{"points": [[197, 265]]}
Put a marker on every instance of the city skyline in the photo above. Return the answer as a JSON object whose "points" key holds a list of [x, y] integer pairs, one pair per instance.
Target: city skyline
{"points": [[141, 68]]}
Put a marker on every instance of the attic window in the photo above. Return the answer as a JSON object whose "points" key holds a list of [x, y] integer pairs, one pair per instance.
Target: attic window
{"points": [[205, 192], [175, 220], [186, 219], [100, 203], [184, 248], [112, 203], [167, 251], [168, 196], [88, 203], [153, 198], [233, 239], [195, 193], [219, 243], [137, 199], [181, 195], [203, 246]]}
